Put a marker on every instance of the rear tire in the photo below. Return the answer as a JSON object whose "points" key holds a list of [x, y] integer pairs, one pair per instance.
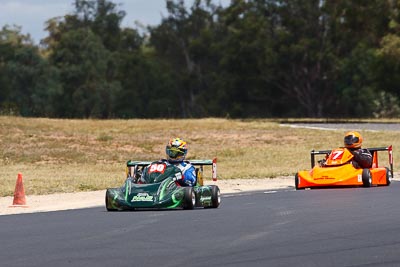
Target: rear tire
{"points": [[189, 199], [388, 178], [215, 196], [366, 178]]}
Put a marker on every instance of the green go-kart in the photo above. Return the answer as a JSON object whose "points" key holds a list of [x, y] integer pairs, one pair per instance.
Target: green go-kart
{"points": [[160, 190]]}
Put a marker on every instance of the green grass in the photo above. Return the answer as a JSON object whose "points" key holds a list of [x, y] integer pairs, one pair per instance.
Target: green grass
{"points": [[59, 155]]}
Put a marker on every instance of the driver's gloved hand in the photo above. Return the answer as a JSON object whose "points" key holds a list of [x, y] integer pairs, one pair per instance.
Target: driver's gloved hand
{"points": [[322, 162], [355, 164], [178, 176]]}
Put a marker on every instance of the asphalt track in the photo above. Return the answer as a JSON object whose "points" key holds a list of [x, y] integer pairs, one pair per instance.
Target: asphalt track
{"points": [[325, 227]]}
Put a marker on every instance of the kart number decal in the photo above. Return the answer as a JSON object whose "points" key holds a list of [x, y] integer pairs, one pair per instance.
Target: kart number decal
{"points": [[157, 168], [337, 154]]}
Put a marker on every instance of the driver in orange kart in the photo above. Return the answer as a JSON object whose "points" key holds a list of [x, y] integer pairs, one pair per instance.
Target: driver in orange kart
{"points": [[362, 157]]}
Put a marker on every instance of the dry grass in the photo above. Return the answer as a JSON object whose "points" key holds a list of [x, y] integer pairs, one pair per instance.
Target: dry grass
{"points": [[79, 155]]}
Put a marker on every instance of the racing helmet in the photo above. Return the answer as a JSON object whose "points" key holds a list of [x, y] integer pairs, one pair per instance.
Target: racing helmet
{"points": [[176, 150], [353, 140]]}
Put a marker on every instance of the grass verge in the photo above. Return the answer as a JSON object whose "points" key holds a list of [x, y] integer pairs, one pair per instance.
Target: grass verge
{"points": [[57, 155]]}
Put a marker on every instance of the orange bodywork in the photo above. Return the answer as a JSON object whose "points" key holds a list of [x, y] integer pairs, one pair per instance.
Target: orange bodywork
{"points": [[345, 175], [338, 171]]}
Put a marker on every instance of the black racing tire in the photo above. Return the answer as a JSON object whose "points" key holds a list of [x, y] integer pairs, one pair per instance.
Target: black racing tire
{"points": [[189, 198], [215, 197], [366, 178], [296, 181], [388, 177], [108, 205]]}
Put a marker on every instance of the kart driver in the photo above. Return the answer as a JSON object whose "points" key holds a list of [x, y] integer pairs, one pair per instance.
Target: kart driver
{"points": [[362, 157], [176, 151]]}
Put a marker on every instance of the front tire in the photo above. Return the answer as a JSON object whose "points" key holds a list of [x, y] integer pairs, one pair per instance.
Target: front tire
{"points": [[296, 181], [108, 204], [366, 178], [189, 200]]}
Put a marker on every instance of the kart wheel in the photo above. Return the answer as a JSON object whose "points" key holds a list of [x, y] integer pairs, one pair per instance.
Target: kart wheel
{"points": [[189, 200], [388, 178], [215, 196], [296, 181], [366, 178], [108, 204]]}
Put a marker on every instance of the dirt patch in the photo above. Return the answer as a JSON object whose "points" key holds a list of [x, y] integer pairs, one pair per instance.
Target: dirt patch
{"points": [[66, 201]]}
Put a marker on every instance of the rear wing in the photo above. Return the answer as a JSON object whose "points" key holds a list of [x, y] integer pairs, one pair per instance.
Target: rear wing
{"points": [[373, 150], [210, 162], [132, 167]]}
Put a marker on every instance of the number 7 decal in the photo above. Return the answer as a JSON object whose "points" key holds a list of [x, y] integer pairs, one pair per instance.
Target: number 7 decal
{"points": [[337, 154]]}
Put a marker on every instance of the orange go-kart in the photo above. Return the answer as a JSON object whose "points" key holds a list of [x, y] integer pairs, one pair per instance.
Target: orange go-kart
{"points": [[337, 170]]}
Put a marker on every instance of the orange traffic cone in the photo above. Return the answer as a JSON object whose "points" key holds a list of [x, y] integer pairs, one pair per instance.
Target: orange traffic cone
{"points": [[19, 194]]}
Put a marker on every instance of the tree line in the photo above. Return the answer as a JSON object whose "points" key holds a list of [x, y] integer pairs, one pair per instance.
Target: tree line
{"points": [[252, 58]]}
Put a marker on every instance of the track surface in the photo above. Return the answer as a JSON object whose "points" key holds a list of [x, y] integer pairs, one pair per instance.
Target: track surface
{"points": [[327, 227]]}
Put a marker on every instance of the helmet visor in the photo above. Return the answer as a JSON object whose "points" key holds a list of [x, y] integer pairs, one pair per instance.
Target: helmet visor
{"points": [[174, 152], [350, 140]]}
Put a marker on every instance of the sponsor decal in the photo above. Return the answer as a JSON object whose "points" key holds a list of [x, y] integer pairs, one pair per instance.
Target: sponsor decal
{"points": [[208, 198], [324, 178], [142, 197]]}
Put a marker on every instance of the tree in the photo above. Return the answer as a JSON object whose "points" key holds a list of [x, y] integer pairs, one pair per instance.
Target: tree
{"points": [[103, 18], [26, 78], [83, 46], [83, 64], [147, 86], [179, 42], [386, 68], [357, 28]]}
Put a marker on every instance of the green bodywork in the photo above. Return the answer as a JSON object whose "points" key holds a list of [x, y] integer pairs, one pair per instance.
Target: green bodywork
{"points": [[160, 192]]}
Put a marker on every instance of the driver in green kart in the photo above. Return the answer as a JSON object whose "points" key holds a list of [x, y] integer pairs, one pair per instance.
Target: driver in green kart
{"points": [[176, 151]]}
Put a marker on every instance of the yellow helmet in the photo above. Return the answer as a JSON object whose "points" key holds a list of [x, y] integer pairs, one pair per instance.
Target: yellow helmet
{"points": [[176, 150], [353, 140]]}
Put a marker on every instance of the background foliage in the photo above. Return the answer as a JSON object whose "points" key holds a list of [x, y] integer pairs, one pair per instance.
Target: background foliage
{"points": [[253, 58]]}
